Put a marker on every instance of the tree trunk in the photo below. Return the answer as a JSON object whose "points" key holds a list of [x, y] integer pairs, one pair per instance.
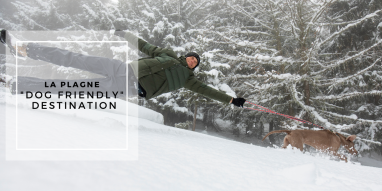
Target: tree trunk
{"points": [[165, 117], [260, 130], [307, 93], [306, 98], [271, 137], [376, 99], [195, 112], [290, 105], [248, 128]]}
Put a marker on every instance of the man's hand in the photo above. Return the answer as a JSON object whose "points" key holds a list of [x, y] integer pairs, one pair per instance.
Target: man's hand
{"points": [[120, 33], [239, 102]]}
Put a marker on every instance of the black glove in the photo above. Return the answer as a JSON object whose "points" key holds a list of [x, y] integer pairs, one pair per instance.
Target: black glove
{"points": [[120, 33], [238, 102]]}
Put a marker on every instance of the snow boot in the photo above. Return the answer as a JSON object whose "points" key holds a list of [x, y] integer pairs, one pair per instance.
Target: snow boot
{"points": [[10, 41]]}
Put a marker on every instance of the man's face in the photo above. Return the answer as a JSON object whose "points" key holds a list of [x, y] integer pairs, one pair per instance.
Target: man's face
{"points": [[191, 62]]}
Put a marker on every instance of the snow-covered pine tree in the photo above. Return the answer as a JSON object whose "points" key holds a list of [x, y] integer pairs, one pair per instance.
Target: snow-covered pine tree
{"points": [[243, 50], [283, 57], [355, 80]]}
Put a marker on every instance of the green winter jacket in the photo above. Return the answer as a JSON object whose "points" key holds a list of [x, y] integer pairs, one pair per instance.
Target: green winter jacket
{"points": [[163, 72]]}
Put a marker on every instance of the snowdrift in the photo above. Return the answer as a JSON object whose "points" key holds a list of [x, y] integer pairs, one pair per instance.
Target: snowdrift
{"points": [[175, 159]]}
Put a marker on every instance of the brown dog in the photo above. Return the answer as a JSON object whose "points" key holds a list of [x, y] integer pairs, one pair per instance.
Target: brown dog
{"points": [[323, 140]]}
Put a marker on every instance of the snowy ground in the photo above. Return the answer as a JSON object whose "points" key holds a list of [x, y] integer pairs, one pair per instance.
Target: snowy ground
{"points": [[175, 159], [372, 159]]}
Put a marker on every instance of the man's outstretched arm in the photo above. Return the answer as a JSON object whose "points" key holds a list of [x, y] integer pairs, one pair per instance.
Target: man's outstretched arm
{"points": [[201, 88]]}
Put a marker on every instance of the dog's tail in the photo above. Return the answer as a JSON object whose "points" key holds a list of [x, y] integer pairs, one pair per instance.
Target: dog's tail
{"points": [[278, 131]]}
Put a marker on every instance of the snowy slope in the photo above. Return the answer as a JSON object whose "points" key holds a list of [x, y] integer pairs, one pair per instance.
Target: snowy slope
{"points": [[175, 159]]}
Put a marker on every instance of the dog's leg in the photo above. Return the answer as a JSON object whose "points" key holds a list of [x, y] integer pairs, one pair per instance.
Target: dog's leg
{"points": [[341, 157], [286, 142], [295, 141], [298, 144]]}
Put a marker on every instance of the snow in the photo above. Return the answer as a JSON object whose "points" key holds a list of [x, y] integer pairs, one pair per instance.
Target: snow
{"points": [[150, 15], [353, 116], [208, 54], [303, 173], [284, 76], [217, 64], [217, 84], [169, 37], [90, 11], [175, 106], [178, 26], [178, 49], [224, 125], [261, 57], [159, 27], [224, 87], [214, 73], [172, 159]]}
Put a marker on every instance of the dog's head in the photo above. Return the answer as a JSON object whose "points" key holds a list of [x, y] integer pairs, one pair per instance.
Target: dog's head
{"points": [[349, 144]]}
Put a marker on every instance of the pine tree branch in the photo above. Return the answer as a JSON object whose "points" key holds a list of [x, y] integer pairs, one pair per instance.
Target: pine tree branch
{"points": [[255, 33], [10, 26], [107, 13], [207, 17], [24, 8], [275, 61], [316, 16], [342, 80], [369, 16], [339, 63], [147, 6], [354, 118], [310, 110], [242, 11], [197, 8], [328, 105], [344, 14], [348, 95], [294, 20], [244, 44]]}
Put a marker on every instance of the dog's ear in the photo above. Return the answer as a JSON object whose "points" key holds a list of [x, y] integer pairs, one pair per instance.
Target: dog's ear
{"points": [[351, 138]]}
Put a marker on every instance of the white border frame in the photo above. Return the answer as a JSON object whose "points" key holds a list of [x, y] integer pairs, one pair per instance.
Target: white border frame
{"points": [[126, 122]]}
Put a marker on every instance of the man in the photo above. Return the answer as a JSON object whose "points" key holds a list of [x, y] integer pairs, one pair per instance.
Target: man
{"points": [[162, 72]]}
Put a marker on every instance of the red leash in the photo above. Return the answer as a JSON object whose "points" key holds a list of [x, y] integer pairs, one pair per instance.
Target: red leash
{"points": [[266, 110]]}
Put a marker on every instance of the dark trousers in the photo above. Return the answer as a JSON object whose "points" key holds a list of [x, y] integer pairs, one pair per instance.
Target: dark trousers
{"points": [[114, 72]]}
